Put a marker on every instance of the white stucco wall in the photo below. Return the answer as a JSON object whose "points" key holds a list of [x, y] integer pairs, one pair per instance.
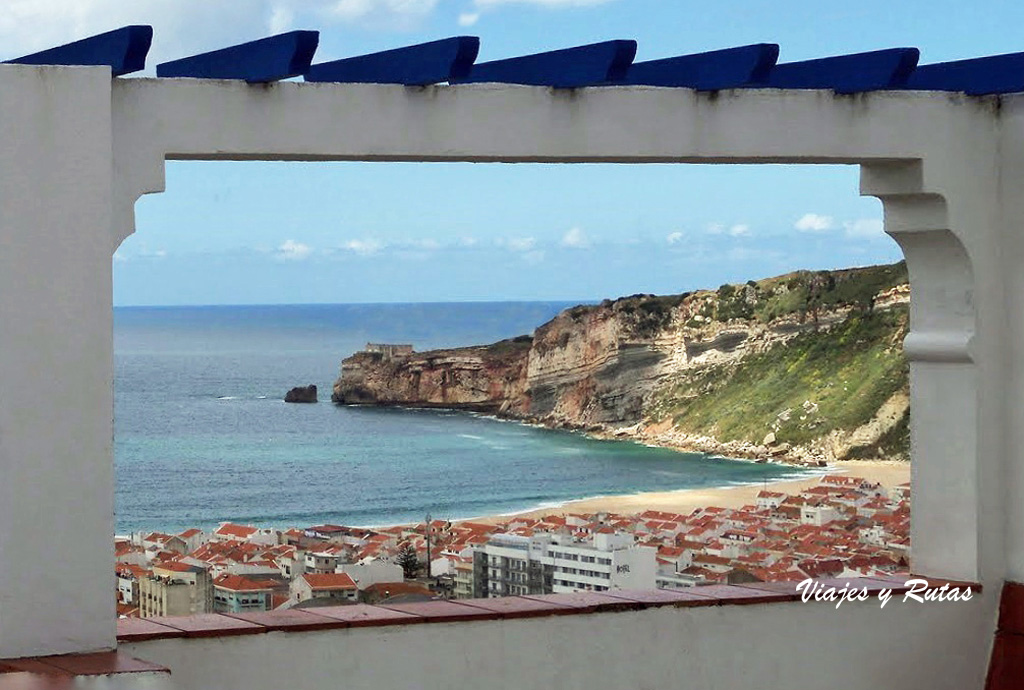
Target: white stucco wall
{"points": [[932, 158], [78, 150], [794, 646], [56, 361]]}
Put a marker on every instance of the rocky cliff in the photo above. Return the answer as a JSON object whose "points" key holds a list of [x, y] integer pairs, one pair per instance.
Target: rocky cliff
{"points": [[488, 378], [804, 367]]}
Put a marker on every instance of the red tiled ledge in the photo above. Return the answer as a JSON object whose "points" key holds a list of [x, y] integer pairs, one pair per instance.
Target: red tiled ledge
{"points": [[1006, 665], [365, 615], [70, 665]]}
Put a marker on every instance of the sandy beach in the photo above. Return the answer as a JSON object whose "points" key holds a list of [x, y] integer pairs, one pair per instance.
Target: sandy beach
{"points": [[887, 473]]}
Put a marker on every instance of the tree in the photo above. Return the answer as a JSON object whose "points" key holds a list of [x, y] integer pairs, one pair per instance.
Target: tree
{"points": [[409, 562]]}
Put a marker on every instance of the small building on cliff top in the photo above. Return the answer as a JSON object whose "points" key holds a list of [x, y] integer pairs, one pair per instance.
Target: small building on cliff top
{"points": [[389, 351]]}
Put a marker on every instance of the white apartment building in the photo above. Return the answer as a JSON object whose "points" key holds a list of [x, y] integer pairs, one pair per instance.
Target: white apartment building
{"points": [[510, 565], [609, 561]]}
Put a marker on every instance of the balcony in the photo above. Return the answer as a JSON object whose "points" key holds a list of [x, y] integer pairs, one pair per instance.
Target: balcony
{"points": [[719, 636]]}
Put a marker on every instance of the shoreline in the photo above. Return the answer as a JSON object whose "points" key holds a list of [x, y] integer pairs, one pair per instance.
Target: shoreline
{"points": [[888, 473]]}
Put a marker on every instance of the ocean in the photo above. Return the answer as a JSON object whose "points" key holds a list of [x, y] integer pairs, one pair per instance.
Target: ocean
{"points": [[202, 434]]}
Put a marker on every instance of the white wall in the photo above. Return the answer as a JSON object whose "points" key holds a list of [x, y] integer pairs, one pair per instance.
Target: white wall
{"points": [[642, 568], [791, 645], [56, 368], [366, 574], [947, 169]]}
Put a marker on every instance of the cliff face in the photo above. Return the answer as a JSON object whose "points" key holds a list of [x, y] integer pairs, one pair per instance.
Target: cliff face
{"points": [[487, 379], [680, 369]]}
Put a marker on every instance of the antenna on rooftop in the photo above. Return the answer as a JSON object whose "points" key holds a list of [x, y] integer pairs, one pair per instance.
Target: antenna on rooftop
{"points": [[427, 531]]}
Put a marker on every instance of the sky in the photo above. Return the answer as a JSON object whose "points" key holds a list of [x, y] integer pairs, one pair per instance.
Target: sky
{"points": [[266, 233]]}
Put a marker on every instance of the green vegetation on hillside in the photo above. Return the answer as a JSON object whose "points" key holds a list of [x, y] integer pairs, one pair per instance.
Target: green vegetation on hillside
{"points": [[521, 344], [803, 389], [804, 293], [648, 314]]}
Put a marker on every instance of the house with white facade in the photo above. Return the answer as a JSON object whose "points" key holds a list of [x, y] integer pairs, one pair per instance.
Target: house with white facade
{"points": [[329, 587], [238, 594]]}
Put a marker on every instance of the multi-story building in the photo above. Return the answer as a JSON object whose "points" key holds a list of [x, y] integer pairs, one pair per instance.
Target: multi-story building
{"points": [[128, 577], [176, 589], [322, 562], [610, 560], [236, 594], [332, 586], [463, 578], [510, 564]]}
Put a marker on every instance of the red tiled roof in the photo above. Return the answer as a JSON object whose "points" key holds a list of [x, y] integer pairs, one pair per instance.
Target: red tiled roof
{"points": [[393, 589], [177, 566], [127, 610], [239, 531], [238, 583], [329, 581]]}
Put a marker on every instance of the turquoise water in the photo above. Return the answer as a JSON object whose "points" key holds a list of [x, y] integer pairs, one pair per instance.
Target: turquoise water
{"points": [[202, 436]]}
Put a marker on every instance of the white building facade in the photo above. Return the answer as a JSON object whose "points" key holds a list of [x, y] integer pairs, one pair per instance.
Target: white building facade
{"points": [[512, 565]]}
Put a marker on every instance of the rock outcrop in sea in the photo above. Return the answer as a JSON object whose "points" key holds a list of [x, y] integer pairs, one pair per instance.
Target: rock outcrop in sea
{"points": [[805, 367], [301, 394]]}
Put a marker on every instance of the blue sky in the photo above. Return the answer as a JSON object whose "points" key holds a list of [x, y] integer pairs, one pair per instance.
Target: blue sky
{"points": [[345, 232]]}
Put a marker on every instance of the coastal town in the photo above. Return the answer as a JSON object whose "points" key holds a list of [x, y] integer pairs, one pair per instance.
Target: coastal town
{"points": [[837, 526]]}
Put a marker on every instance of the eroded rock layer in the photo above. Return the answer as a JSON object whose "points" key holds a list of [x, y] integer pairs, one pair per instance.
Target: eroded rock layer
{"points": [[675, 369]]}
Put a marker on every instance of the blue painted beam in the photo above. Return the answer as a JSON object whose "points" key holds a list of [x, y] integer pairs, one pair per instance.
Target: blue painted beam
{"points": [[418, 65], [975, 77], [570, 68], [268, 59], [124, 50], [880, 69], [717, 69]]}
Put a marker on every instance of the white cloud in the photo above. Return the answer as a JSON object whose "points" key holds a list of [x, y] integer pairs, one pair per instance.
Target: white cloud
{"points": [[674, 237], [282, 18], [471, 18], [812, 222], [864, 227], [402, 15], [468, 241], [290, 250], [575, 239], [519, 244], [185, 27], [367, 247], [534, 257], [542, 3], [737, 230], [428, 244], [119, 257], [181, 27]]}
